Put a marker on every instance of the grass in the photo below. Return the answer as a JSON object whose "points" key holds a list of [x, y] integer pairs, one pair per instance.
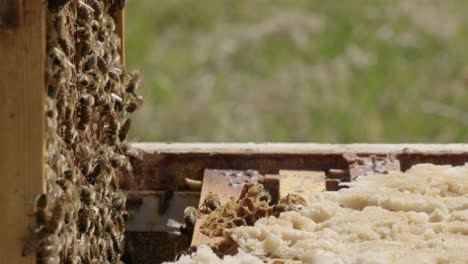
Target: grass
{"points": [[300, 71]]}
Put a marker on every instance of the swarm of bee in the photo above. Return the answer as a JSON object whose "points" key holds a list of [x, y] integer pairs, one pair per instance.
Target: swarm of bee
{"points": [[81, 218], [251, 206]]}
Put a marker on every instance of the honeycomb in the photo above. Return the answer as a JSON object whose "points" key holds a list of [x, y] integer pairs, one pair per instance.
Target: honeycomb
{"points": [[250, 207], [416, 216], [81, 218]]}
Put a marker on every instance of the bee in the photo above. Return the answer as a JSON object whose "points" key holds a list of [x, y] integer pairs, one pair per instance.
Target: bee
{"points": [[103, 65], [280, 208], [47, 252], [84, 33], [124, 129], [89, 63], [84, 222], [101, 35], [118, 201], [87, 100], [84, 11], [133, 82], [52, 90], [65, 45], [56, 219], [134, 104], [190, 216], [98, 10], [85, 117], [119, 161], [293, 199], [265, 196], [84, 47], [87, 195], [112, 130], [211, 202], [37, 238], [94, 25], [100, 165], [114, 76], [69, 133], [41, 209]]}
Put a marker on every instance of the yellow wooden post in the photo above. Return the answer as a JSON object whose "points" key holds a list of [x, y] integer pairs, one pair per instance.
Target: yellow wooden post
{"points": [[22, 127]]}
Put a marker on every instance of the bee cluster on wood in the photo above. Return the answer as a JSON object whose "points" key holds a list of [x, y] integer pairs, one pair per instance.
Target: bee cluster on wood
{"points": [[81, 218]]}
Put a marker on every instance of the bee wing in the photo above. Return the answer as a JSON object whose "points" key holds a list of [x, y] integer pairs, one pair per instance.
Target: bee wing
{"points": [[173, 223]]}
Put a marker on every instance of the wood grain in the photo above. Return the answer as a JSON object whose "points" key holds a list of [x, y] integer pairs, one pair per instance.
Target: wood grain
{"points": [[22, 128]]}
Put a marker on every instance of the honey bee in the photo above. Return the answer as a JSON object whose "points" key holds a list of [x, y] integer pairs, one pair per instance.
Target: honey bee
{"points": [[280, 208], [37, 238], [84, 33], [134, 104], [118, 201], [190, 216], [89, 63], [41, 209], [84, 11], [85, 117], [211, 202], [69, 134], [265, 196], [45, 252], [94, 25], [103, 65], [100, 165], [114, 76], [87, 195], [133, 82], [56, 219], [87, 100], [96, 5], [83, 222], [101, 35], [124, 129], [112, 130], [119, 161], [65, 45]]}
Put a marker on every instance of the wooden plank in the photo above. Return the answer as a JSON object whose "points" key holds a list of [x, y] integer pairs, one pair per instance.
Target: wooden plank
{"points": [[298, 148], [22, 133], [360, 165], [165, 165], [302, 183], [119, 16], [225, 184]]}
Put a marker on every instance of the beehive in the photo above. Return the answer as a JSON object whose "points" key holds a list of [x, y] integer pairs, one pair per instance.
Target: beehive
{"points": [[81, 217]]}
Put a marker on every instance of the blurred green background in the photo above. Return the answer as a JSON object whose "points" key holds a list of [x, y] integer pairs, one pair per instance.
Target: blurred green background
{"points": [[300, 70]]}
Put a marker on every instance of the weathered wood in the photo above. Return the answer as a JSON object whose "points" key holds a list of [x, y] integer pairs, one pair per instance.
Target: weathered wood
{"points": [[298, 148], [22, 128], [165, 165], [119, 16]]}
